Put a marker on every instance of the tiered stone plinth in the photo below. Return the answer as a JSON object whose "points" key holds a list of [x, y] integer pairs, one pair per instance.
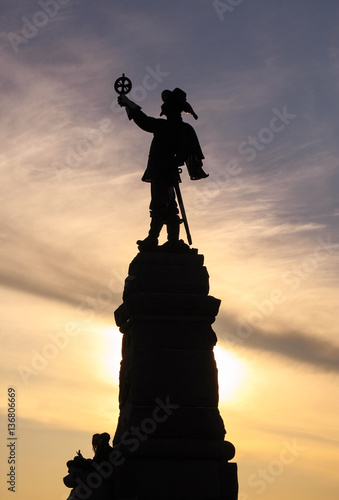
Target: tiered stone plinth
{"points": [[170, 432]]}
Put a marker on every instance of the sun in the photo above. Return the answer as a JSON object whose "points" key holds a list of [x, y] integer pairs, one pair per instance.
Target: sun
{"points": [[231, 374], [231, 370]]}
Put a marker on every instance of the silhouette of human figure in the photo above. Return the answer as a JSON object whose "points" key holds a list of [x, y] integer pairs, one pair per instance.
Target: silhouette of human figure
{"points": [[174, 143], [79, 468], [103, 448], [95, 442]]}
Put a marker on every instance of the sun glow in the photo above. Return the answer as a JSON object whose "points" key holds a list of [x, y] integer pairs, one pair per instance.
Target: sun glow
{"points": [[231, 373], [110, 353], [231, 370]]}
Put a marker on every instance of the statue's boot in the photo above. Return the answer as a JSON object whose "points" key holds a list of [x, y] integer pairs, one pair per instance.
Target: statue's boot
{"points": [[173, 229], [151, 241], [174, 245]]}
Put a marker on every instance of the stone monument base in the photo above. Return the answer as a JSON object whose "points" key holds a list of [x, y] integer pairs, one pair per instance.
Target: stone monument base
{"points": [[170, 434]]}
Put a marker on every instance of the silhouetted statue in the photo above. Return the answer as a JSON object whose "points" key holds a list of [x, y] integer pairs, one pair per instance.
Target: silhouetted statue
{"points": [[103, 448], [174, 144], [80, 468]]}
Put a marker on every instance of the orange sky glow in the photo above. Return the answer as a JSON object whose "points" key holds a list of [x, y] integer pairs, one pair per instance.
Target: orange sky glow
{"points": [[263, 80]]}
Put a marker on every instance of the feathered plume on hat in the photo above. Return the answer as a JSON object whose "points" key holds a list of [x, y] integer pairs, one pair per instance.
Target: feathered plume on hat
{"points": [[177, 99]]}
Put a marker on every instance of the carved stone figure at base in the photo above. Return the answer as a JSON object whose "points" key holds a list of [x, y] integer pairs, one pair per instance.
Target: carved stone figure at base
{"points": [[82, 472]]}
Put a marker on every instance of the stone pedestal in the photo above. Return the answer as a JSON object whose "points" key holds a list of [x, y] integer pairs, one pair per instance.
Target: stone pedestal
{"points": [[170, 433]]}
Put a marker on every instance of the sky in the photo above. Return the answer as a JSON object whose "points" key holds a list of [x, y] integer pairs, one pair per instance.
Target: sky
{"points": [[263, 78]]}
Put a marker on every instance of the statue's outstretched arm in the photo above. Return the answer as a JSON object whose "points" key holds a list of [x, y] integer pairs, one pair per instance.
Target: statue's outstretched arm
{"points": [[146, 123], [130, 106]]}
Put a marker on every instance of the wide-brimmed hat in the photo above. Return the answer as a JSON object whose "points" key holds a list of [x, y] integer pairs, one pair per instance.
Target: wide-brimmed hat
{"points": [[176, 99]]}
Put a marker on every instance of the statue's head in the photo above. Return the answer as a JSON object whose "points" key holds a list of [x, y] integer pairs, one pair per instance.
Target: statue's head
{"points": [[104, 438], [95, 441], [174, 103]]}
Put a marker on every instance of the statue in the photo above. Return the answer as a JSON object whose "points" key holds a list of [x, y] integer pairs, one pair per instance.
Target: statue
{"points": [[174, 144], [81, 470]]}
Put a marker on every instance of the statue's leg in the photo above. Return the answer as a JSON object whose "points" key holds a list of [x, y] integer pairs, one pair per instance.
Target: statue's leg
{"points": [[173, 229], [157, 207], [173, 220]]}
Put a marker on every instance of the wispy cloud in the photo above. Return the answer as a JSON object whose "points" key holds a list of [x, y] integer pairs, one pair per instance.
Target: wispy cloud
{"points": [[318, 352], [69, 183]]}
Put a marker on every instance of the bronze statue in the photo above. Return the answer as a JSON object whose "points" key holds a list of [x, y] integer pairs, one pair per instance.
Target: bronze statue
{"points": [[174, 144]]}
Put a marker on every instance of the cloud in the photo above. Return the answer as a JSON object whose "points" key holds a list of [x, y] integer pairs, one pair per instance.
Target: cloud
{"points": [[315, 351], [69, 210]]}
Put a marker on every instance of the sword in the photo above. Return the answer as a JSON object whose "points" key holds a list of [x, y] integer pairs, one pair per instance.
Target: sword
{"points": [[183, 213]]}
